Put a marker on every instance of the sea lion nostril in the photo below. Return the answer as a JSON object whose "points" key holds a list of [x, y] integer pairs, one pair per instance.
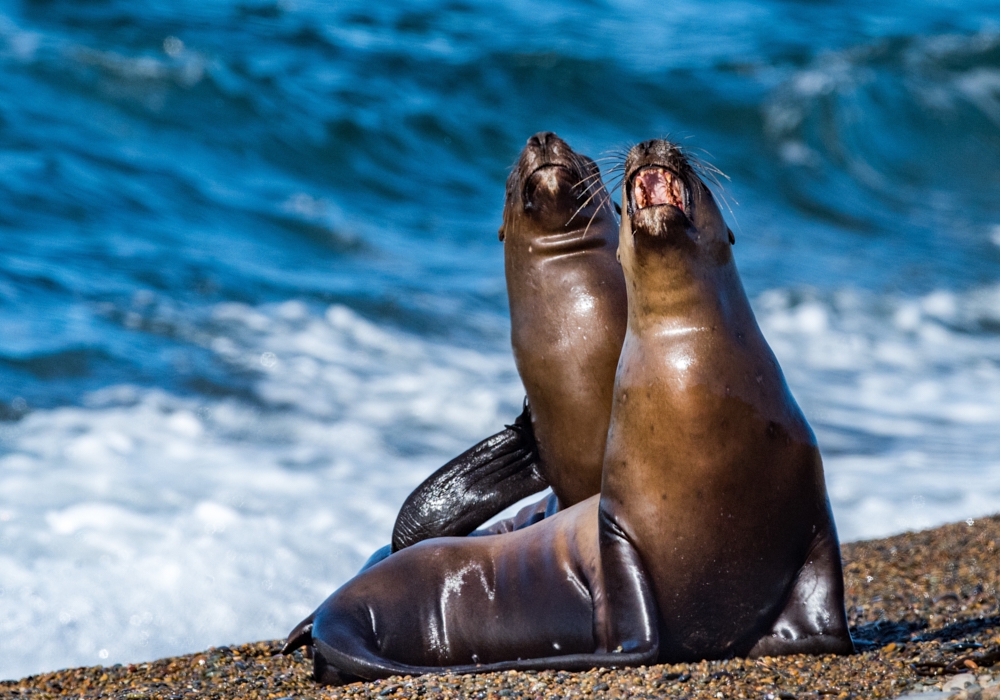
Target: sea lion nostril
{"points": [[543, 140]]}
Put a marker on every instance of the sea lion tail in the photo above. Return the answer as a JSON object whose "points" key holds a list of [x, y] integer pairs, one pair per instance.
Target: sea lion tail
{"points": [[473, 487]]}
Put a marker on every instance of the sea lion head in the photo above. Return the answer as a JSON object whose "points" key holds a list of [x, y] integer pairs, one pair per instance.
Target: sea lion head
{"points": [[552, 190], [668, 211]]}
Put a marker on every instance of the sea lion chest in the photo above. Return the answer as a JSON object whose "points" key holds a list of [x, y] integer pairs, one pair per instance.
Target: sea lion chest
{"points": [[710, 470]]}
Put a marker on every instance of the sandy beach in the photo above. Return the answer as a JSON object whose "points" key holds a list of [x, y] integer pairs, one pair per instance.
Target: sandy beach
{"points": [[922, 607]]}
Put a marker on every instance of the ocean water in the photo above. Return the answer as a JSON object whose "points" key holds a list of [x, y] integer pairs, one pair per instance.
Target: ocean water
{"points": [[251, 291]]}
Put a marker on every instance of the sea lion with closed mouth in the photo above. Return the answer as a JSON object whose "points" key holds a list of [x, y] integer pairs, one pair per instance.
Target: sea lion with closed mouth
{"points": [[712, 536], [567, 312]]}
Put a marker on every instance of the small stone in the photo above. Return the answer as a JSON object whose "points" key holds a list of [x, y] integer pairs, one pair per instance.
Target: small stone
{"points": [[958, 682]]}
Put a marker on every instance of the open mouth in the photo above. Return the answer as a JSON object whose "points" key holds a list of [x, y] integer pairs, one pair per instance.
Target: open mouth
{"points": [[656, 185]]}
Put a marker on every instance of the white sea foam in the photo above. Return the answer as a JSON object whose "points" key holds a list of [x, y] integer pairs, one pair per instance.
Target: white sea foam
{"points": [[904, 395], [142, 523]]}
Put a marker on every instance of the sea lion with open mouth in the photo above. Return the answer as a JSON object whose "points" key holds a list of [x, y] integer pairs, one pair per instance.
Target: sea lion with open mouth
{"points": [[712, 536], [567, 312], [711, 470]]}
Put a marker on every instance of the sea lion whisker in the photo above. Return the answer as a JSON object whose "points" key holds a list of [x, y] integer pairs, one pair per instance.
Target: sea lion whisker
{"points": [[618, 156], [591, 188], [595, 187], [581, 207], [600, 205], [615, 183], [591, 181], [712, 174], [707, 170]]}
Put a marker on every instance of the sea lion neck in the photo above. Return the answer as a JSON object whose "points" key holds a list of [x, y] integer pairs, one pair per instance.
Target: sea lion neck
{"points": [[671, 271], [683, 296]]}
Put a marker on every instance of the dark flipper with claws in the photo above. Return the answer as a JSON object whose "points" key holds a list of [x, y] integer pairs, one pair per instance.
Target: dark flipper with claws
{"points": [[473, 487]]}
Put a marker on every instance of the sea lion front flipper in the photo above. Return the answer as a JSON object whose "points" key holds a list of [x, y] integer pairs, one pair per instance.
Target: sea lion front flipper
{"points": [[473, 487], [625, 611], [814, 620]]}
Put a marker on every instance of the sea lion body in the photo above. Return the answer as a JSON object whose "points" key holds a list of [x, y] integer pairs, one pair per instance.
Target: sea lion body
{"points": [[568, 308], [711, 469], [568, 314], [713, 532]]}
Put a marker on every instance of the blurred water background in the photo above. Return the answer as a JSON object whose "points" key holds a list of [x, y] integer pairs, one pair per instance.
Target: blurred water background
{"points": [[251, 291]]}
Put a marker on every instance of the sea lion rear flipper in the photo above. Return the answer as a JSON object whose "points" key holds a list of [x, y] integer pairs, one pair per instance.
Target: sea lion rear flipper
{"points": [[300, 636], [473, 487], [814, 620]]}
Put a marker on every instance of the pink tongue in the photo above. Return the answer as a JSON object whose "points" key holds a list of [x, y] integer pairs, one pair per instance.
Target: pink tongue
{"points": [[655, 188]]}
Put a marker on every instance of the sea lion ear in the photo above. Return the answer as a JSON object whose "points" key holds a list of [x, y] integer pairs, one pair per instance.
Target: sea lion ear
{"points": [[618, 208], [732, 238], [618, 254], [500, 235]]}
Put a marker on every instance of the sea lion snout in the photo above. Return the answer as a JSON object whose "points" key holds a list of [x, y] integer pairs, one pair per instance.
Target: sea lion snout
{"points": [[549, 195], [668, 206], [550, 173], [660, 207], [554, 187], [663, 226]]}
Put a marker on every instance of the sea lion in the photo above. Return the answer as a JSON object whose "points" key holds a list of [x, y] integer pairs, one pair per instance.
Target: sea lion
{"points": [[712, 536], [711, 470], [567, 312]]}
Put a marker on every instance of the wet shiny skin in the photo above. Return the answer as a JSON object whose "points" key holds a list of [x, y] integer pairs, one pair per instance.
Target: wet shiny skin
{"points": [[711, 469], [712, 536]]}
